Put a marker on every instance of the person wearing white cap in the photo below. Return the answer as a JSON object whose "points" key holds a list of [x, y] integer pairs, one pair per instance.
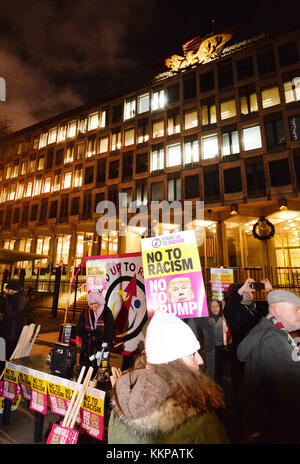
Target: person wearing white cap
{"points": [[95, 326], [272, 373], [166, 398]]}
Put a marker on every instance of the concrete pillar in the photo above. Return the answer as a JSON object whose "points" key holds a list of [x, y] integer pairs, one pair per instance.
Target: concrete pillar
{"points": [[222, 245]]}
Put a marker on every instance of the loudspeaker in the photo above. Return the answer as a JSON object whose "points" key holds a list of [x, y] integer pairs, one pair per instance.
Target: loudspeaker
{"points": [[63, 360]]}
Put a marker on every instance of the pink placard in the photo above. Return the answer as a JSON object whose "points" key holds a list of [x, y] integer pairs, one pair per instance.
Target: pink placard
{"points": [[92, 423], [62, 436], [38, 402]]}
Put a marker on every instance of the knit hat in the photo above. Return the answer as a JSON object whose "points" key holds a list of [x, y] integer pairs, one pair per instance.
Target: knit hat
{"points": [[283, 296], [96, 297], [168, 338], [13, 285]]}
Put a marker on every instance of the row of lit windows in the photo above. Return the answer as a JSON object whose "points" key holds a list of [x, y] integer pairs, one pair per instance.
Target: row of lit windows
{"points": [[97, 120], [160, 158]]}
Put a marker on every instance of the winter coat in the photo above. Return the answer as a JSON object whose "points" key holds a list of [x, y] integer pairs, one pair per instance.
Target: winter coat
{"points": [[271, 385], [239, 317], [13, 309], [150, 415], [93, 338]]}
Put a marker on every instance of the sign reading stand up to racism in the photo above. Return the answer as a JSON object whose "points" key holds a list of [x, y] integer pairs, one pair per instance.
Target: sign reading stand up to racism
{"points": [[173, 276]]}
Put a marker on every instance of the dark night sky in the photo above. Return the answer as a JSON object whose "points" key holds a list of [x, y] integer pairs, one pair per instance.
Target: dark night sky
{"points": [[59, 54]]}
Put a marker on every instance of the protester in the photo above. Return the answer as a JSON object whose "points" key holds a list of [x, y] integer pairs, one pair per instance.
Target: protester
{"points": [[12, 306], [166, 399], [215, 338], [272, 373], [95, 326]]}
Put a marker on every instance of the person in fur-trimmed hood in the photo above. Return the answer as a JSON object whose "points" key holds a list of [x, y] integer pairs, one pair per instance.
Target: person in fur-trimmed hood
{"points": [[166, 398]]}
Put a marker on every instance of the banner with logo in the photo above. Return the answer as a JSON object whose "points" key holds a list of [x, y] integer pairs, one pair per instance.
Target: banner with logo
{"points": [[221, 280], [125, 296], [173, 276]]}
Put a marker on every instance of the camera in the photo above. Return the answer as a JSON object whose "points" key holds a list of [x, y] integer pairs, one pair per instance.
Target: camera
{"points": [[257, 286]]}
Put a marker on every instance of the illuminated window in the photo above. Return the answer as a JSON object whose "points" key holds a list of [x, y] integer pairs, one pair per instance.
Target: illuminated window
{"points": [[116, 140], [19, 148], [157, 159], [292, 90], [83, 125], [143, 103], [62, 133], [103, 145], [173, 123], [35, 143], [42, 248], [12, 193], [93, 121], [37, 187], [8, 172], [20, 191], [129, 137], [158, 100], [228, 109], [249, 103], [57, 180], [129, 109], [141, 194], [230, 143], [41, 163], [3, 195], [91, 149], [79, 246], [191, 152], [72, 129], [190, 119], [43, 139], [174, 189], [143, 131], [80, 150], [270, 97], [32, 165], [47, 185], [69, 155], [15, 170], [209, 115], [9, 244], [173, 155], [109, 244], [78, 178], [52, 135], [157, 129], [251, 138], [25, 245], [67, 180], [210, 146], [102, 120], [23, 168], [29, 189]]}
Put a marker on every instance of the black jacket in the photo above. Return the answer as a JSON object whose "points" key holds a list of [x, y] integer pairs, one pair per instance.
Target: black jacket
{"points": [[13, 309], [92, 339]]}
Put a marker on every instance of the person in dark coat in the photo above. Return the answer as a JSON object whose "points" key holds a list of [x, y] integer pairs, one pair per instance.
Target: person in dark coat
{"points": [[271, 412], [95, 326], [12, 306]]}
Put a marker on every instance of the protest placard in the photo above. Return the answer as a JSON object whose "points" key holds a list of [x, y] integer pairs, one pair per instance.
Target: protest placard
{"points": [[92, 413], [39, 388], [173, 276], [221, 279], [125, 296]]}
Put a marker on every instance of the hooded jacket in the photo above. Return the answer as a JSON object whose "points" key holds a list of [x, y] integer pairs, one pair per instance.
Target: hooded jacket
{"points": [[144, 412], [271, 385]]}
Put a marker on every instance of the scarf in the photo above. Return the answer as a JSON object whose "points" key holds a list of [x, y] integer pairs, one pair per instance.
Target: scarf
{"points": [[280, 326]]}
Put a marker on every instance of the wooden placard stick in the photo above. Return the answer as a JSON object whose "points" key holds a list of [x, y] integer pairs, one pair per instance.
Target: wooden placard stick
{"points": [[28, 338], [73, 397], [22, 342], [33, 341], [80, 397]]}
